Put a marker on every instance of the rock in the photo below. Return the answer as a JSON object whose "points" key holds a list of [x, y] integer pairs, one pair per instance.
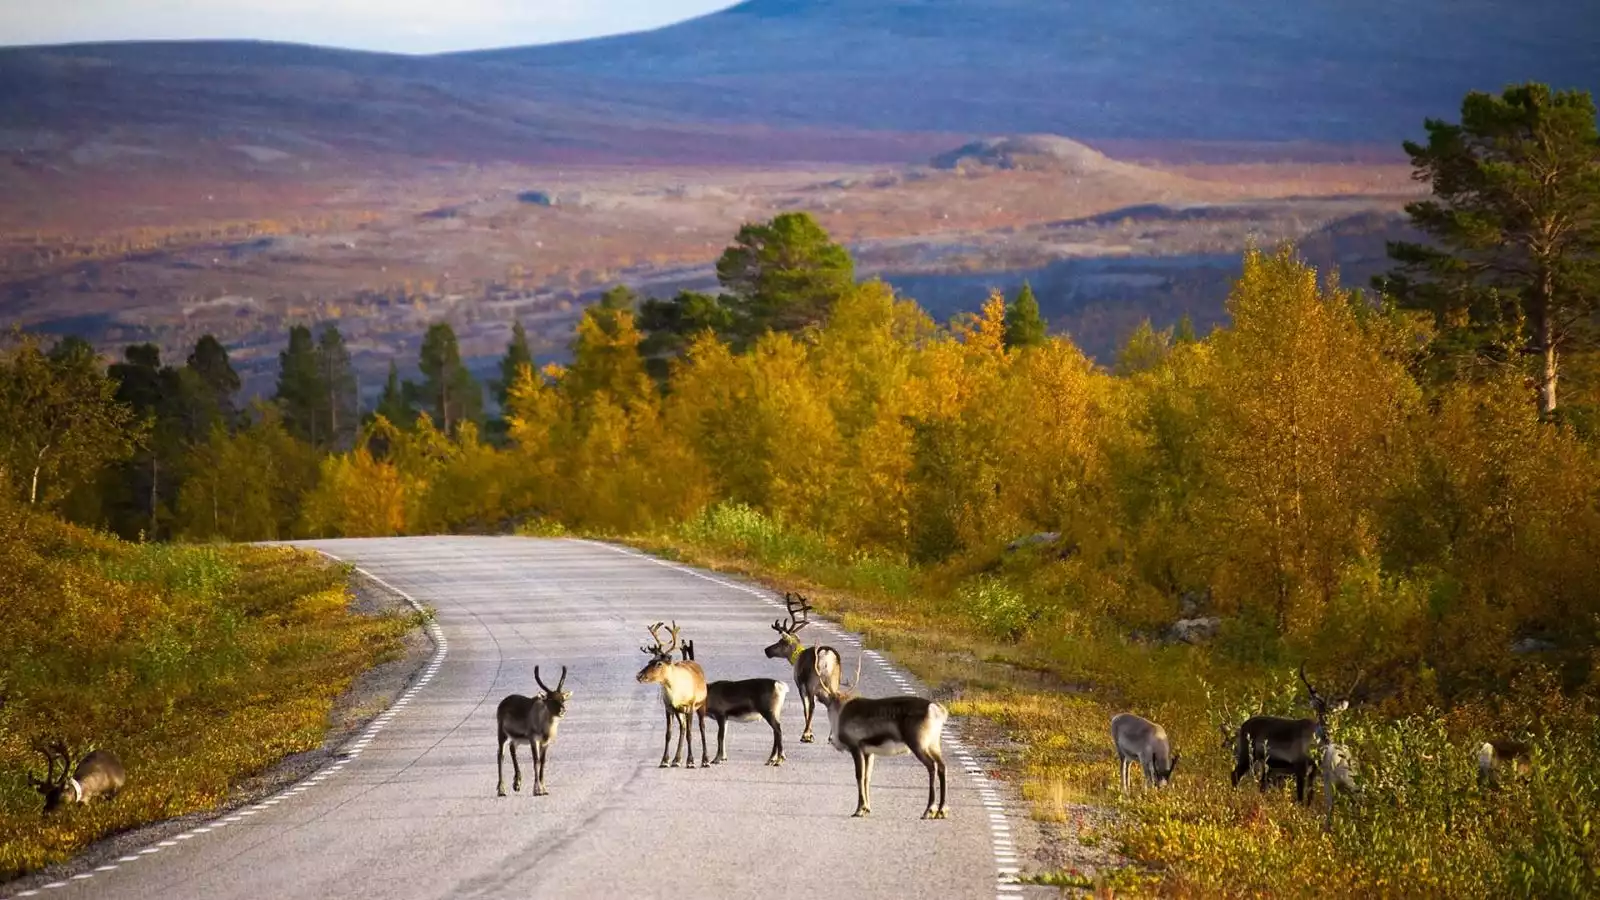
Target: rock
{"points": [[1532, 645], [1032, 540], [1194, 631], [1190, 603]]}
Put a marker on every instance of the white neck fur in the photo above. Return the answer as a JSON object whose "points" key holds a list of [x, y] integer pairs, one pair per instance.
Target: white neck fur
{"points": [[77, 790]]}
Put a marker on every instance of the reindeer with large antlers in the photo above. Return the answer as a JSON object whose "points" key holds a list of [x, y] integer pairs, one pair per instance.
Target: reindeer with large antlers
{"points": [[1280, 745], [533, 721], [816, 669], [98, 774], [683, 693]]}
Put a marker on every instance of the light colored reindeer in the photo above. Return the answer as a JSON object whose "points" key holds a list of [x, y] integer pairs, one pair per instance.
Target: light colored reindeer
{"points": [[816, 669], [533, 721], [1142, 742], [1338, 774], [889, 726], [98, 774], [683, 694]]}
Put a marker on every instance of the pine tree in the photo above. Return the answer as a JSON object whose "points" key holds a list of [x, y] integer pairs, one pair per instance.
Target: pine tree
{"points": [[209, 362], [301, 392], [340, 403], [784, 275], [1024, 326], [1185, 332], [394, 404], [517, 355], [1512, 273], [448, 390]]}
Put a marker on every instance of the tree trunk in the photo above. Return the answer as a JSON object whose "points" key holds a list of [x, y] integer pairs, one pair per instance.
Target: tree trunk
{"points": [[33, 488], [1545, 338]]}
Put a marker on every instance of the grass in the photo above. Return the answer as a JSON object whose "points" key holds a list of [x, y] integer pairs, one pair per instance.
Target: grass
{"points": [[198, 666], [1018, 641]]}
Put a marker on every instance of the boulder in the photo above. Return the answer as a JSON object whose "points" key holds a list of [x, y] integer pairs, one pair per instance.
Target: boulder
{"points": [[1194, 631]]}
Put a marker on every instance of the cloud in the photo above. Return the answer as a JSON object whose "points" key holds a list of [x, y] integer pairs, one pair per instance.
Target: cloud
{"points": [[408, 26]]}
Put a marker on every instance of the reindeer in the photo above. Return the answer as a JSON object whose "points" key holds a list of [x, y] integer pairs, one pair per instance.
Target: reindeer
{"points": [[532, 720], [891, 726], [1498, 754], [98, 774], [1139, 740], [816, 669], [683, 693], [1338, 773], [1283, 744], [744, 701]]}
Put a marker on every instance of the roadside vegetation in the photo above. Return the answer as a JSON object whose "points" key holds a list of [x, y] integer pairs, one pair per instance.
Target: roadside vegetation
{"points": [[198, 666], [1399, 490]]}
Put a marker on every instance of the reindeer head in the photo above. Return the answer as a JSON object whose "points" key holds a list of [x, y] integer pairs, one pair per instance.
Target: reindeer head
{"points": [[655, 671], [554, 698], [1164, 776], [53, 787], [788, 645], [1324, 707]]}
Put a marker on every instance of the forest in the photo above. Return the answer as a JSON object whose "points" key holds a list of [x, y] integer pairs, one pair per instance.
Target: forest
{"points": [[1397, 486]]}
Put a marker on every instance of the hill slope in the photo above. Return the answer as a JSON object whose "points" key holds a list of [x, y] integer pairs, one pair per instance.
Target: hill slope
{"points": [[1343, 70]]}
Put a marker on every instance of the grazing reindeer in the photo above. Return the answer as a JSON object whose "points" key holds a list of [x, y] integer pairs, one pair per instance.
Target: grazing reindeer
{"points": [[1495, 755], [816, 669], [744, 701], [98, 774], [683, 693], [1338, 773], [532, 720], [1142, 741], [890, 726]]}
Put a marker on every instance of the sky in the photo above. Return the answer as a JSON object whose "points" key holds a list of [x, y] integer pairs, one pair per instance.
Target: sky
{"points": [[401, 26]]}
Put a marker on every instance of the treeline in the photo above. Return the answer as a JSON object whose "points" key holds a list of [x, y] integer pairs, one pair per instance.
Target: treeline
{"points": [[1385, 476]]}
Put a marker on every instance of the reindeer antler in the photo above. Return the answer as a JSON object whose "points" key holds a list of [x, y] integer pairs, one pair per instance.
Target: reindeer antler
{"points": [[802, 608], [655, 632], [546, 687], [50, 764], [674, 631]]}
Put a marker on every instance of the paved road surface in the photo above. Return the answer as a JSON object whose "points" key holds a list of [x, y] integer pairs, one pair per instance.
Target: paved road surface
{"points": [[414, 813]]}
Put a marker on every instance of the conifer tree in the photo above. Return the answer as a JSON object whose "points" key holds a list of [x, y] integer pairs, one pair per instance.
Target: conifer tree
{"points": [[210, 364], [337, 379], [301, 392], [448, 391], [1024, 326]]}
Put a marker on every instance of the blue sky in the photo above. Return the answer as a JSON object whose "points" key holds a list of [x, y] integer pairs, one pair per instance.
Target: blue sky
{"points": [[404, 26]]}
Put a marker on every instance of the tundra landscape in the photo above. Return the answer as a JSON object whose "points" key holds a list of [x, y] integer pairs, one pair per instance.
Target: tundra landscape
{"points": [[1143, 449]]}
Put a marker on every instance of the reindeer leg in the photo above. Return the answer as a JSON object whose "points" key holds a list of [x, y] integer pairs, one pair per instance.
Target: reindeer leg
{"points": [[683, 734], [516, 769], [931, 763], [667, 745], [705, 759], [938, 757], [861, 783], [808, 703], [722, 741], [776, 759], [867, 782], [541, 752], [500, 766]]}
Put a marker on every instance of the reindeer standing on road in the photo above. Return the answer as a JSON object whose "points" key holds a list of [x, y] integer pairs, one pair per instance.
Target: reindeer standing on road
{"points": [[533, 721], [816, 669], [683, 694]]}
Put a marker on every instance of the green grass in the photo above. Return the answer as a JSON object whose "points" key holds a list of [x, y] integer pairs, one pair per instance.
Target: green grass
{"points": [[198, 666]]}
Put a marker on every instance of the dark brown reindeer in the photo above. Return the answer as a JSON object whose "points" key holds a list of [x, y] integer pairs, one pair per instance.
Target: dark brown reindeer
{"points": [[98, 774], [742, 701], [887, 726], [1282, 745], [533, 721], [683, 693], [816, 669]]}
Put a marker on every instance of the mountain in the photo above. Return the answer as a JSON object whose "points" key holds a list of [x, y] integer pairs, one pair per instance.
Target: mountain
{"points": [[799, 79], [1322, 70]]}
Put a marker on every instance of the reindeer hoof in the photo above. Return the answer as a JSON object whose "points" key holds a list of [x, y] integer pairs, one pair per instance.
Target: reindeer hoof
{"points": [[675, 764], [500, 791], [808, 738], [542, 792], [517, 786], [861, 813], [933, 814]]}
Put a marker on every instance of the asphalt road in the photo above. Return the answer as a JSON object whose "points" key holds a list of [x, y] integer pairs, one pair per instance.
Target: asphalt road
{"points": [[413, 812]]}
